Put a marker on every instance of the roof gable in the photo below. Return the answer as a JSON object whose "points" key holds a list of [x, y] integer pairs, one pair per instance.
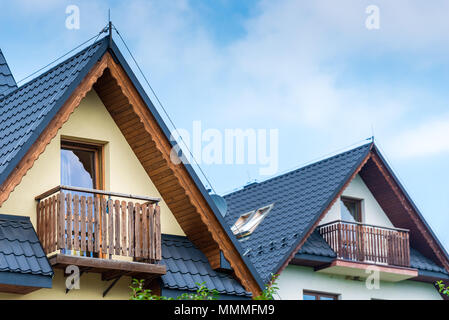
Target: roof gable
{"points": [[299, 198], [45, 104], [303, 197]]}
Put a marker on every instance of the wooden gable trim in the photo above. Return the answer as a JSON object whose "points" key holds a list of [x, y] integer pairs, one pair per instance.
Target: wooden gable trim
{"points": [[173, 181], [315, 225], [51, 130], [420, 226]]}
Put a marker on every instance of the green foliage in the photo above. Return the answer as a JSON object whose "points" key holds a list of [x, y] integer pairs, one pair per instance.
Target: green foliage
{"points": [[202, 293], [270, 289], [442, 288], [139, 293]]}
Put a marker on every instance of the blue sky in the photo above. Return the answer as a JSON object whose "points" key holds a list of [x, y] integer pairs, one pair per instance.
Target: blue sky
{"points": [[310, 69]]}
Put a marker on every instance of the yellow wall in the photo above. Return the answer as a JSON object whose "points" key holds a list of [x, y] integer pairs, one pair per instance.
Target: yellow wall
{"points": [[123, 173], [91, 288]]}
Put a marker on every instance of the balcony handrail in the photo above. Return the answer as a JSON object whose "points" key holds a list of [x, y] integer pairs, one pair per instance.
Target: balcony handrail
{"points": [[363, 224], [96, 191], [362, 242], [97, 226]]}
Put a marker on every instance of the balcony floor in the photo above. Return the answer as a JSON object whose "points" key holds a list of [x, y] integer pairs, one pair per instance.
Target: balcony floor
{"points": [[363, 270], [109, 269]]}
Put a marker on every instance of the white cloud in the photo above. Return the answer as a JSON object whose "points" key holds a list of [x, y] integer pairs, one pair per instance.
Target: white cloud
{"points": [[427, 139]]}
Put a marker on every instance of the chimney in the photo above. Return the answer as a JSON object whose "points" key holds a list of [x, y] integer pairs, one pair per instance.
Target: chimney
{"points": [[7, 82]]}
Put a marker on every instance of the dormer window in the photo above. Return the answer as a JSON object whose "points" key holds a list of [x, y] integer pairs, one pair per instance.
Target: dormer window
{"points": [[248, 222], [351, 209]]}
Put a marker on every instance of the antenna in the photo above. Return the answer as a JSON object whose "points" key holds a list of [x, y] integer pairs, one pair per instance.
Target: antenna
{"points": [[110, 26]]}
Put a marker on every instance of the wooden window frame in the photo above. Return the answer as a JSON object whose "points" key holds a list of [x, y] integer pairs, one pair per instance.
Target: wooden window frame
{"points": [[318, 294], [358, 203], [98, 150]]}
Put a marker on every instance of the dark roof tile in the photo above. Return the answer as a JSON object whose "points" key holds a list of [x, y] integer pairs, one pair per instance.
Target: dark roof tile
{"points": [[187, 265], [20, 250]]}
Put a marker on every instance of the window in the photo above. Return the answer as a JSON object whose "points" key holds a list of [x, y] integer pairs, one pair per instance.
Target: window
{"points": [[351, 209], [81, 165], [311, 295], [248, 222]]}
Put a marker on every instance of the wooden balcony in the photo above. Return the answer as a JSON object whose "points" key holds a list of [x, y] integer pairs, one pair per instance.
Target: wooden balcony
{"points": [[367, 243], [101, 232]]}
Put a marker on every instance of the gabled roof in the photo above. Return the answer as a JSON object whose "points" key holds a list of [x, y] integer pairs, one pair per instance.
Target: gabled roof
{"points": [[22, 259], [27, 112], [7, 82], [299, 197], [187, 265]]}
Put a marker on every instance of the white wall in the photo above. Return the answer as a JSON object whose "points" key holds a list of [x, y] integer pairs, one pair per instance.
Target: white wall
{"points": [[372, 213], [294, 279]]}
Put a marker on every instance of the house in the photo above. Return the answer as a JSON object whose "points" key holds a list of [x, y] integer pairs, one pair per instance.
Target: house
{"points": [[340, 228], [88, 191]]}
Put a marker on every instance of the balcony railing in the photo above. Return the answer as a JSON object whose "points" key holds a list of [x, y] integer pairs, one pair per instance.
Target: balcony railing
{"points": [[367, 243], [90, 223]]}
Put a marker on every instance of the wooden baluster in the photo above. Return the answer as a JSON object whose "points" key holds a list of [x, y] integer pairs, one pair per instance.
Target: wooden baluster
{"points": [[104, 226], [83, 224], [46, 226], [339, 233], [151, 235], [131, 229], [38, 220], [407, 242], [157, 232], [69, 221], [381, 252], [61, 221], [137, 233], [124, 231], [53, 224], [117, 227], [76, 223], [111, 227], [97, 222], [89, 225], [145, 230]]}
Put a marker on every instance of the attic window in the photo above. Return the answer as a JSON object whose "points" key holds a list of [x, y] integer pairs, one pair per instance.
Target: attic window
{"points": [[248, 222], [351, 209]]}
